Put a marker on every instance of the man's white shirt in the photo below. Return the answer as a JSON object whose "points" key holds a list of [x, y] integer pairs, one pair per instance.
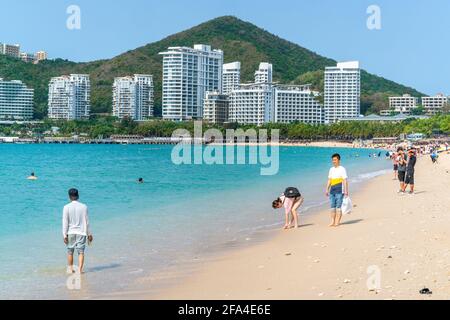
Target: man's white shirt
{"points": [[75, 219]]}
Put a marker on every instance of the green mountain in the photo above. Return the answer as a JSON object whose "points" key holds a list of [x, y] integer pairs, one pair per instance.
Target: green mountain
{"points": [[240, 41]]}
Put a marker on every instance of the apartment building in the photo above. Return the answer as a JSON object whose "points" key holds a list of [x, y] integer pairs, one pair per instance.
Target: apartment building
{"points": [[265, 73], [12, 50], [435, 104], [69, 97], [216, 107], [252, 104], [342, 91], [403, 104], [188, 73], [27, 57], [231, 78], [16, 100], [40, 56], [133, 97], [297, 104]]}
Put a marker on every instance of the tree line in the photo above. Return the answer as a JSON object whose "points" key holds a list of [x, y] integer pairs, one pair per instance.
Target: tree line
{"points": [[105, 127]]}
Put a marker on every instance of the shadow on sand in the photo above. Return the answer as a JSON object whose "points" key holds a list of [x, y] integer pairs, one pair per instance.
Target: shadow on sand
{"points": [[352, 222], [104, 267]]}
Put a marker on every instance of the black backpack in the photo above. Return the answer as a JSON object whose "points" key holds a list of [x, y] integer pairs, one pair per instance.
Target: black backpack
{"points": [[292, 193]]}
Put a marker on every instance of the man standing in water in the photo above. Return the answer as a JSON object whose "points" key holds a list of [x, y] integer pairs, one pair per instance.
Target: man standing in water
{"points": [[337, 188], [76, 230]]}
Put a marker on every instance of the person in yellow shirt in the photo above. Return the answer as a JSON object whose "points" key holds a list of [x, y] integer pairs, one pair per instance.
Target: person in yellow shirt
{"points": [[337, 189]]}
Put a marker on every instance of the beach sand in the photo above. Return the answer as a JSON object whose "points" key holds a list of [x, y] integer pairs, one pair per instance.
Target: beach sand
{"points": [[405, 238]]}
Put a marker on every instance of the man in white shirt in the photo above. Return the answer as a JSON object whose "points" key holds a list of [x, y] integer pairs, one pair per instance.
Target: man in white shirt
{"points": [[76, 231], [337, 189]]}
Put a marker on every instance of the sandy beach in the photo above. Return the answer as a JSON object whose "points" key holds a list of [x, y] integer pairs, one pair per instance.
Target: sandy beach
{"points": [[402, 240]]}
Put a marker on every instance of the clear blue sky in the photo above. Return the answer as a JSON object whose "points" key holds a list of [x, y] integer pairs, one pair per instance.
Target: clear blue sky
{"points": [[411, 48]]}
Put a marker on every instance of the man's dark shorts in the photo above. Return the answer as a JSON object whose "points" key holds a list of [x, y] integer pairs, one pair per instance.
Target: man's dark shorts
{"points": [[401, 176], [409, 177]]}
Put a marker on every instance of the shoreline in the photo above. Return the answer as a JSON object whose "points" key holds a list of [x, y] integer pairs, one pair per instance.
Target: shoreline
{"points": [[153, 284], [318, 262], [168, 141]]}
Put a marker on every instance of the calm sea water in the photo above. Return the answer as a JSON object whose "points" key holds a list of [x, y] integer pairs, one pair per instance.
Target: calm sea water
{"points": [[179, 213]]}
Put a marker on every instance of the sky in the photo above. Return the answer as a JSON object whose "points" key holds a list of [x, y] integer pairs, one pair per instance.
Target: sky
{"points": [[411, 47]]}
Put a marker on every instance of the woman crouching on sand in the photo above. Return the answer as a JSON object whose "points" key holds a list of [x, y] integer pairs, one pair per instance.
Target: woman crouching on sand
{"points": [[291, 200]]}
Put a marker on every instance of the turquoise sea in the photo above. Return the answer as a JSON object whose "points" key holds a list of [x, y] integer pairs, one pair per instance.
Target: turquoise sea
{"points": [[178, 214]]}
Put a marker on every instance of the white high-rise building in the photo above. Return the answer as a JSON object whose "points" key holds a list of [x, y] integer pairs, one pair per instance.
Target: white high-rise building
{"points": [[435, 104], [342, 91], [188, 73], [69, 97], [231, 78], [252, 104], [133, 97], [216, 107], [265, 73], [16, 100], [297, 103], [403, 104]]}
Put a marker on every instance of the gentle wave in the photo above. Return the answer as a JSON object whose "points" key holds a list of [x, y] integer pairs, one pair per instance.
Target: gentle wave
{"points": [[370, 175]]}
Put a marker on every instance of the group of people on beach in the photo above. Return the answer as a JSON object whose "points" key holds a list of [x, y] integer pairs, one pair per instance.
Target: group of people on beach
{"points": [[404, 162], [337, 190], [404, 168]]}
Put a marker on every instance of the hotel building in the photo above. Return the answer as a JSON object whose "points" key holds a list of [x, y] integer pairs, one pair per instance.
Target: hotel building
{"points": [[342, 91], [264, 74], [403, 104], [40, 56], [188, 73], [231, 78], [252, 104], [12, 50], [297, 103], [434, 105], [216, 106], [27, 57], [133, 97], [16, 100], [69, 97]]}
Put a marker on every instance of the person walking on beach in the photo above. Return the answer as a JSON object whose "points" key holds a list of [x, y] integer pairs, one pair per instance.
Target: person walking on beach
{"points": [[395, 163], [401, 159], [76, 230], [337, 189], [291, 200], [410, 170], [434, 156]]}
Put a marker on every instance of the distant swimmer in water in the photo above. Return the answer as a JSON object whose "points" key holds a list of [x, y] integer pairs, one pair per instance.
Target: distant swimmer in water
{"points": [[140, 180], [32, 176]]}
